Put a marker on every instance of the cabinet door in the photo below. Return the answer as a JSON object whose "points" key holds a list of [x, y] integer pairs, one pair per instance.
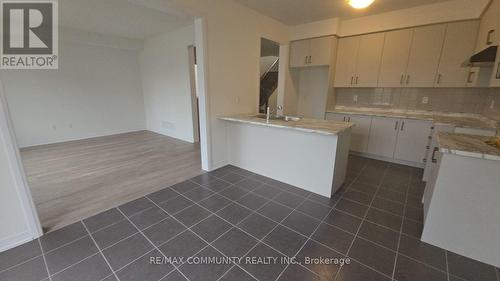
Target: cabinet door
{"points": [[459, 44], [360, 134], [320, 51], [424, 55], [489, 32], [368, 61], [299, 52], [413, 139], [495, 79], [346, 61], [383, 136], [335, 117], [395, 58]]}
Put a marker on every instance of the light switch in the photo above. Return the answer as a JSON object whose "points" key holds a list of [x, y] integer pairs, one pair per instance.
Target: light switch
{"points": [[425, 100], [355, 98]]}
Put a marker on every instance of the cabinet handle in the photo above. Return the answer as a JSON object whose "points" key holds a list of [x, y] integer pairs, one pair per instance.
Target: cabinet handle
{"points": [[402, 79], [408, 79], [310, 59], [470, 78], [357, 77], [352, 80], [344, 118], [434, 160], [402, 126], [489, 41], [396, 127], [439, 78], [305, 60], [349, 120]]}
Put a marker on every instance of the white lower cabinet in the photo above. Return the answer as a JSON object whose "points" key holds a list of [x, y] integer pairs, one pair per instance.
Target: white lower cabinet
{"points": [[383, 136], [403, 140], [335, 117], [360, 134], [413, 138]]}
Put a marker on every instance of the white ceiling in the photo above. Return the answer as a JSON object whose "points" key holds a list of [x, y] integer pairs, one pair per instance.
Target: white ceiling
{"points": [[124, 18], [294, 12]]}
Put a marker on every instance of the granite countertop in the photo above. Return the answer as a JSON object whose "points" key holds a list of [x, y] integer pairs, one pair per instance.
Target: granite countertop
{"points": [[454, 119], [467, 145], [324, 127]]}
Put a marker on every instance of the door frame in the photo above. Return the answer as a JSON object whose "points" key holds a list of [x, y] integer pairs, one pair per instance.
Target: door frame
{"points": [[17, 170]]}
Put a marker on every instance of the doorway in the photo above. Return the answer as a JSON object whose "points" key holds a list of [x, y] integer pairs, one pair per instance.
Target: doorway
{"points": [[269, 73]]}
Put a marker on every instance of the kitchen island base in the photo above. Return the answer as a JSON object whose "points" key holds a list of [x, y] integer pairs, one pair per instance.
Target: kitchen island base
{"points": [[312, 161]]}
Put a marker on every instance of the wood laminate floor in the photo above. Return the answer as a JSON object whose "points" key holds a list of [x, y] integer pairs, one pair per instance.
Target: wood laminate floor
{"points": [[74, 180]]}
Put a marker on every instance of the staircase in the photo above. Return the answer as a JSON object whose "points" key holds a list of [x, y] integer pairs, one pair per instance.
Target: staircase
{"points": [[268, 85]]}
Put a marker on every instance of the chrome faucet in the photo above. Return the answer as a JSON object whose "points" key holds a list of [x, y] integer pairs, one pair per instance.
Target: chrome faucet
{"points": [[268, 112]]}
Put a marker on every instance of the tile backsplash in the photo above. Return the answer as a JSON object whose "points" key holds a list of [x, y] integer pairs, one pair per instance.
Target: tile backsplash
{"points": [[459, 100]]}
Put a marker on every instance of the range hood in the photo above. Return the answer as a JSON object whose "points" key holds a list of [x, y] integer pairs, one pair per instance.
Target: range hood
{"points": [[486, 57]]}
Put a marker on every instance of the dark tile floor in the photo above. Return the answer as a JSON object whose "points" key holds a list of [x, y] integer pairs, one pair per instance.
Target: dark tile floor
{"points": [[375, 222]]}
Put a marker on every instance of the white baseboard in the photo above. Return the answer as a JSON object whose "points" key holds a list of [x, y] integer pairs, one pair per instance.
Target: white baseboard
{"points": [[386, 159], [15, 240]]}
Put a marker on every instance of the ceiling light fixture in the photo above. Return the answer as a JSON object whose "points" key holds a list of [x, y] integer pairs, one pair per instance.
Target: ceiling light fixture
{"points": [[360, 4]]}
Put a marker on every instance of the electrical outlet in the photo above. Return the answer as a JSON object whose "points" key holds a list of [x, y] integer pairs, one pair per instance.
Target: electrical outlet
{"points": [[492, 104], [168, 125], [425, 100], [355, 98]]}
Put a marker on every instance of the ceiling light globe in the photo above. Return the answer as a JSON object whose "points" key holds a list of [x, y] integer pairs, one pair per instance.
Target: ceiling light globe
{"points": [[360, 4]]}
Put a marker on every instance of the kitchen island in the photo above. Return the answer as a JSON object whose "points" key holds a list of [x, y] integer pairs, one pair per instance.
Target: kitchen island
{"points": [[461, 210], [307, 153]]}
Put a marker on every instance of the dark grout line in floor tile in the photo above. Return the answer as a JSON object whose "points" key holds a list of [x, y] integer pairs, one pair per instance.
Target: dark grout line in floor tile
{"points": [[100, 250], [331, 207]]}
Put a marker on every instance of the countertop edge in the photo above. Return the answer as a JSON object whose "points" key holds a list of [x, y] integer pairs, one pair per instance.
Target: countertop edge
{"points": [[306, 130], [409, 116], [443, 148]]}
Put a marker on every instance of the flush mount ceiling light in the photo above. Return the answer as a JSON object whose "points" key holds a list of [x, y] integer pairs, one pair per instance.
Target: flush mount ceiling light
{"points": [[360, 4]]}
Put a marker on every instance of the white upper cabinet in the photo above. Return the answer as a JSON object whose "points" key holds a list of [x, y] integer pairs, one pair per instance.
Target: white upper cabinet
{"points": [[459, 45], [489, 32], [358, 60], [345, 69], [368, 60], [395, 58], [413, 138], [320, 51], [311, 52], [299, 53], [424, 57]]}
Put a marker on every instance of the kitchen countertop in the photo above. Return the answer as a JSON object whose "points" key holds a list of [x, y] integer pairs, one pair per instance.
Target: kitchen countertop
{"points": [[467, 145], [324, 127], [455, 119]]}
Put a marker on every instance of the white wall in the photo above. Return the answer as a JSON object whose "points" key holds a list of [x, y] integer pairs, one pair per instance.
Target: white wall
{"points": [[166, 83], [96, 91], [232, 51]]}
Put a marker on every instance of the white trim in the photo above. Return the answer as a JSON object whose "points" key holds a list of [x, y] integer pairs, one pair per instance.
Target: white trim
{"points": [[194, 98], [22, 188], [15, 240], [390, 160], [200, 30]]}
